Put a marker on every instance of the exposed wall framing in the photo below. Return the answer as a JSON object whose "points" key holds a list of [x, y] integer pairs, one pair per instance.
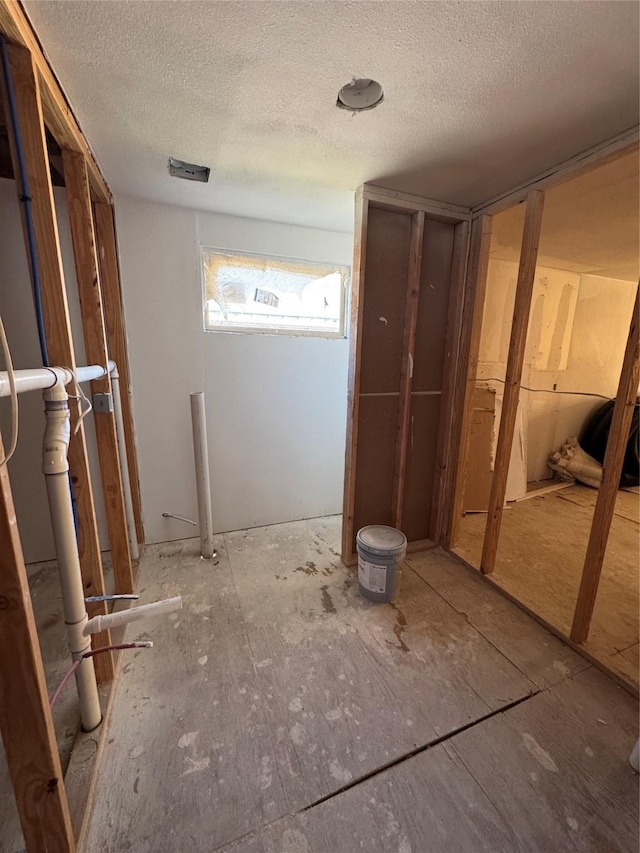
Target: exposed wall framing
{"points": [[474, 297], [410, 255], [48, 821]]}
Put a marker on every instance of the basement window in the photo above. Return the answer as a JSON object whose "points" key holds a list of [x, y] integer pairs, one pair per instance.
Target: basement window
{"points": [[258, 293]]}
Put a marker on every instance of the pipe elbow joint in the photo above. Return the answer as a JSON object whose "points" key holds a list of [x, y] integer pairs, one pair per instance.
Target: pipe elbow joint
{"points": [[57, 435]]}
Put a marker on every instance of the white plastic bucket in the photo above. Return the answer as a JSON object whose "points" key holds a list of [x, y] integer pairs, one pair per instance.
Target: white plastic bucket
{"points": [[381, 550]]}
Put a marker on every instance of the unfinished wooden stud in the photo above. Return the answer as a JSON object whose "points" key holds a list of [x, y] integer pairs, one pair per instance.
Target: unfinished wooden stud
{"points": [[406, 367], [88, 278], [468, 353], [113, 309], [25, 719], [54, 302], [515, 360], [608, 491]]}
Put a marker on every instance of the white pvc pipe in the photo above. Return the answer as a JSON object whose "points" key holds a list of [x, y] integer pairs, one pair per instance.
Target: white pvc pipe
{"points": [[203, 485], [41, 378], [124, 464], [123, 617], [56, 468]]}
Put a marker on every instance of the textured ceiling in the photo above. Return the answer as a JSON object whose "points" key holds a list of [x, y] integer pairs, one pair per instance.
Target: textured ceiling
{"points": [[478, 96], [590, 224]]}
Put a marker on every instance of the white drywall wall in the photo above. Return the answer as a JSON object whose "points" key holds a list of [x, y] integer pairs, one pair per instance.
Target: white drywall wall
{"points": [[276, 405], [576, 339], [17, 311]]}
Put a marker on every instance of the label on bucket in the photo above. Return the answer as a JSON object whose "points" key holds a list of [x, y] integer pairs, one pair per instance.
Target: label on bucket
{"points": [[372, 577]]}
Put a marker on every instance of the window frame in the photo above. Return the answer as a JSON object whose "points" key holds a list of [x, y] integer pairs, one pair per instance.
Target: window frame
{"points": [[340, 334]]}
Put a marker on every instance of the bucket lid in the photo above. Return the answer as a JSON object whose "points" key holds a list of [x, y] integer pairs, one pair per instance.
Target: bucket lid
{"points": [[382, 540]]}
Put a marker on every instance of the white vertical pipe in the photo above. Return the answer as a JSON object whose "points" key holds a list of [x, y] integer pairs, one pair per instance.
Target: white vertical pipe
{"points": [[124, 464], [56, 470], [203, 485]]}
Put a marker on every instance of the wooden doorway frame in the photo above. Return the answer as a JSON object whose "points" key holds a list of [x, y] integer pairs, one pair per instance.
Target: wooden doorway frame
{"points": [[532, 195]]}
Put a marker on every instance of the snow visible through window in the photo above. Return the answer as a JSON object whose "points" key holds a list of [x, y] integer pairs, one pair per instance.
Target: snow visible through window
{"points": [[253, 293]]}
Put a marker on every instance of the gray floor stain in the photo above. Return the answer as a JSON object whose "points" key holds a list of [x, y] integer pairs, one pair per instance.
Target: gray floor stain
{"points": [[327, 602]]}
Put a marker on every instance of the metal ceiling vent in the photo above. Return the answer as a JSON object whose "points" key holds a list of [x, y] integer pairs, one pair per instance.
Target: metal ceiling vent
{"points": [[188, 171], [359, 95]]}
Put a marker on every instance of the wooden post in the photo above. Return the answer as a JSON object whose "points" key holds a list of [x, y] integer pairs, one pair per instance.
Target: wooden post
{"points": [[116, 339], [406, 368], [468, 352], [515, 360], [54, 304], [442, 478], [84, 249], [25, 718], [608, 491], [353, 399]]}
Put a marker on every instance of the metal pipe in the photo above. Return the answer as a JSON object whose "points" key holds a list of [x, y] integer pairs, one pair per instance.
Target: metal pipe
{"points": [[123, 617], [124, 464], [56, 468], [203, 485]]}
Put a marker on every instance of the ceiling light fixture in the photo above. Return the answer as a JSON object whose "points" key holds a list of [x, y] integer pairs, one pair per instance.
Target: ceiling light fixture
{"points": [[361, 94]]}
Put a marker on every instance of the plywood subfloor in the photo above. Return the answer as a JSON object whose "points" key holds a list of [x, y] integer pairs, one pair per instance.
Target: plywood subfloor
{"points": [[542, 546], [279, 700]]}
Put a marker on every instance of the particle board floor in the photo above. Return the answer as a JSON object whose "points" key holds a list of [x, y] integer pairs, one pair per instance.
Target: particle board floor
{"points": [[279, 711], [542, 546]]}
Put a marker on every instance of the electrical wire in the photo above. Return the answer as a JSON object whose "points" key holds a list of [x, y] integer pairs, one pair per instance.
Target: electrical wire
{"points": [[141, 644], [542, 390], [14, 395], [82, 398]]}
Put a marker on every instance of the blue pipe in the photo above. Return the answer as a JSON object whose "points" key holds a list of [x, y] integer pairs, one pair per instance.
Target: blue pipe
{"points": [[25, 198]]}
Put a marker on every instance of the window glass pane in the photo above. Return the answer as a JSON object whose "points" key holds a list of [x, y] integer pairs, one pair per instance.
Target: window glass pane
{"points": [[252, 293]]}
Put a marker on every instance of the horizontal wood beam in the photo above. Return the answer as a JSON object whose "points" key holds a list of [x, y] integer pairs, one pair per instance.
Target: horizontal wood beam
{"points": [[25, 718], [57, 112], [395, 200], [608, 491], [95, 341], [515, 361]]}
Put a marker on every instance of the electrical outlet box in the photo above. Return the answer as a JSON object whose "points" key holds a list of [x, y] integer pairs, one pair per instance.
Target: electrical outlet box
{"points": [[102, 403]]}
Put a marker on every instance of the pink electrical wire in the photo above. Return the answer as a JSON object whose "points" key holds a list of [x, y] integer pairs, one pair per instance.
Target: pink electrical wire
{"points": [[90, 654]]}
